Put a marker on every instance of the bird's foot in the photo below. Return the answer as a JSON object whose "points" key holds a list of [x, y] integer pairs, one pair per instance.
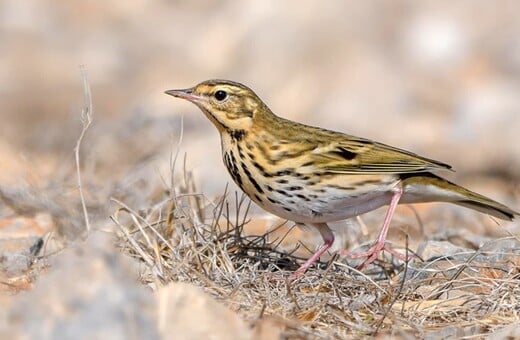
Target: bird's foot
{"points": [[372, 254]]}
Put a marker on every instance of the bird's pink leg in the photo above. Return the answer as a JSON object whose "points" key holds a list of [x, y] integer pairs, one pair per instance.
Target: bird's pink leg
{"points": [[328, 239], [374, 251]]}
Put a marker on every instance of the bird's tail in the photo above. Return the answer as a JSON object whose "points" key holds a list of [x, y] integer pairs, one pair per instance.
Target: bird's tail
{"points": [[427, 187]]}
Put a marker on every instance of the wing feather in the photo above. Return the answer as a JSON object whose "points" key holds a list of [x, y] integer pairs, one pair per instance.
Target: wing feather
{"points": [[362, 156]]}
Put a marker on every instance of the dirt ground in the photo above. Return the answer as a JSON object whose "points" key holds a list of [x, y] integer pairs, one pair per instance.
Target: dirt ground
{"points": [[169, 247]]}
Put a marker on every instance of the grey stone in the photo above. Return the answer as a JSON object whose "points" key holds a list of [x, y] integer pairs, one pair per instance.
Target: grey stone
{"points": [[186, 312], [90, 292]]}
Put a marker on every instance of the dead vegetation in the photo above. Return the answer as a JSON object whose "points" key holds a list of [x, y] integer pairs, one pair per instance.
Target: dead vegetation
{"points": [[466, 293]]}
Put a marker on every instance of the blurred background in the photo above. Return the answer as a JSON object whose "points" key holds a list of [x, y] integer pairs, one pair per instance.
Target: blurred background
{"points": [[441, 79]]}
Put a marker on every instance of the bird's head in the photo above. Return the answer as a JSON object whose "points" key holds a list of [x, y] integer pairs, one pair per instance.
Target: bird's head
{"points": [[229, 105]]}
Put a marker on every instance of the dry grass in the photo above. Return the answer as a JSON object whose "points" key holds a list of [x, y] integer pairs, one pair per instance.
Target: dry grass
{"points": [[176, 242]]}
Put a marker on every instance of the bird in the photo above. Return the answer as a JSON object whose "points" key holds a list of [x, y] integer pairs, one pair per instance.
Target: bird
{"points": [[313, 176]]}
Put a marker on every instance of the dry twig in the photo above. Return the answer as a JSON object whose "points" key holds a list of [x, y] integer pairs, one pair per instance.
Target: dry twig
{"points": [[86, 120]]}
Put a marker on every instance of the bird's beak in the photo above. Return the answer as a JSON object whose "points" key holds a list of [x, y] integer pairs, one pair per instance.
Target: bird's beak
{"points": [[185, 94]]}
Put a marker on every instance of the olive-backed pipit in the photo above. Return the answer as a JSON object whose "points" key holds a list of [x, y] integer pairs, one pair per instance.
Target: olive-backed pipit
{"points": [[313, 176]]}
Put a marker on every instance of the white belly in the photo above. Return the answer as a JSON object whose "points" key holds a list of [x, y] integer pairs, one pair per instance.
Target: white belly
{"points": [[329, 207]]}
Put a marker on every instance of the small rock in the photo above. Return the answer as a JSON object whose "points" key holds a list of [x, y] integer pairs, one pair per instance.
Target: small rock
{"points": [[90, 292], [268, 328], [511, 331], [186, 312], [454, 332], [431, 250], [21, 239]]}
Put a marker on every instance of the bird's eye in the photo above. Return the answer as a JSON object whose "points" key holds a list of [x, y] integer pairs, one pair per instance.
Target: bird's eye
{"points": [[220, 95]]}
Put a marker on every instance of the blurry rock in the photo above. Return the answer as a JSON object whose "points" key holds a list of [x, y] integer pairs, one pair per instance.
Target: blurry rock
{"points": [[454, 332], [511, 331], [431, 250], [90, 292], [503, 246], [492, 251], [16, 256], [186, 312], [494, 260], [268, 328], [21, 239]]}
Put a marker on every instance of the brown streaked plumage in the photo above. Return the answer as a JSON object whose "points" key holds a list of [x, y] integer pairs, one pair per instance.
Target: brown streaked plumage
{"points": [[313, 176]]}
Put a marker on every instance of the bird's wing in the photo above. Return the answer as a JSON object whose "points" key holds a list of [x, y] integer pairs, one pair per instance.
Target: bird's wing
{"points": [[358, 155]]}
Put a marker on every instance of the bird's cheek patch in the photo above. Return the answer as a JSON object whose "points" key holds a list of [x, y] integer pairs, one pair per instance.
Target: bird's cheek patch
{"points": [[242, 123]]}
